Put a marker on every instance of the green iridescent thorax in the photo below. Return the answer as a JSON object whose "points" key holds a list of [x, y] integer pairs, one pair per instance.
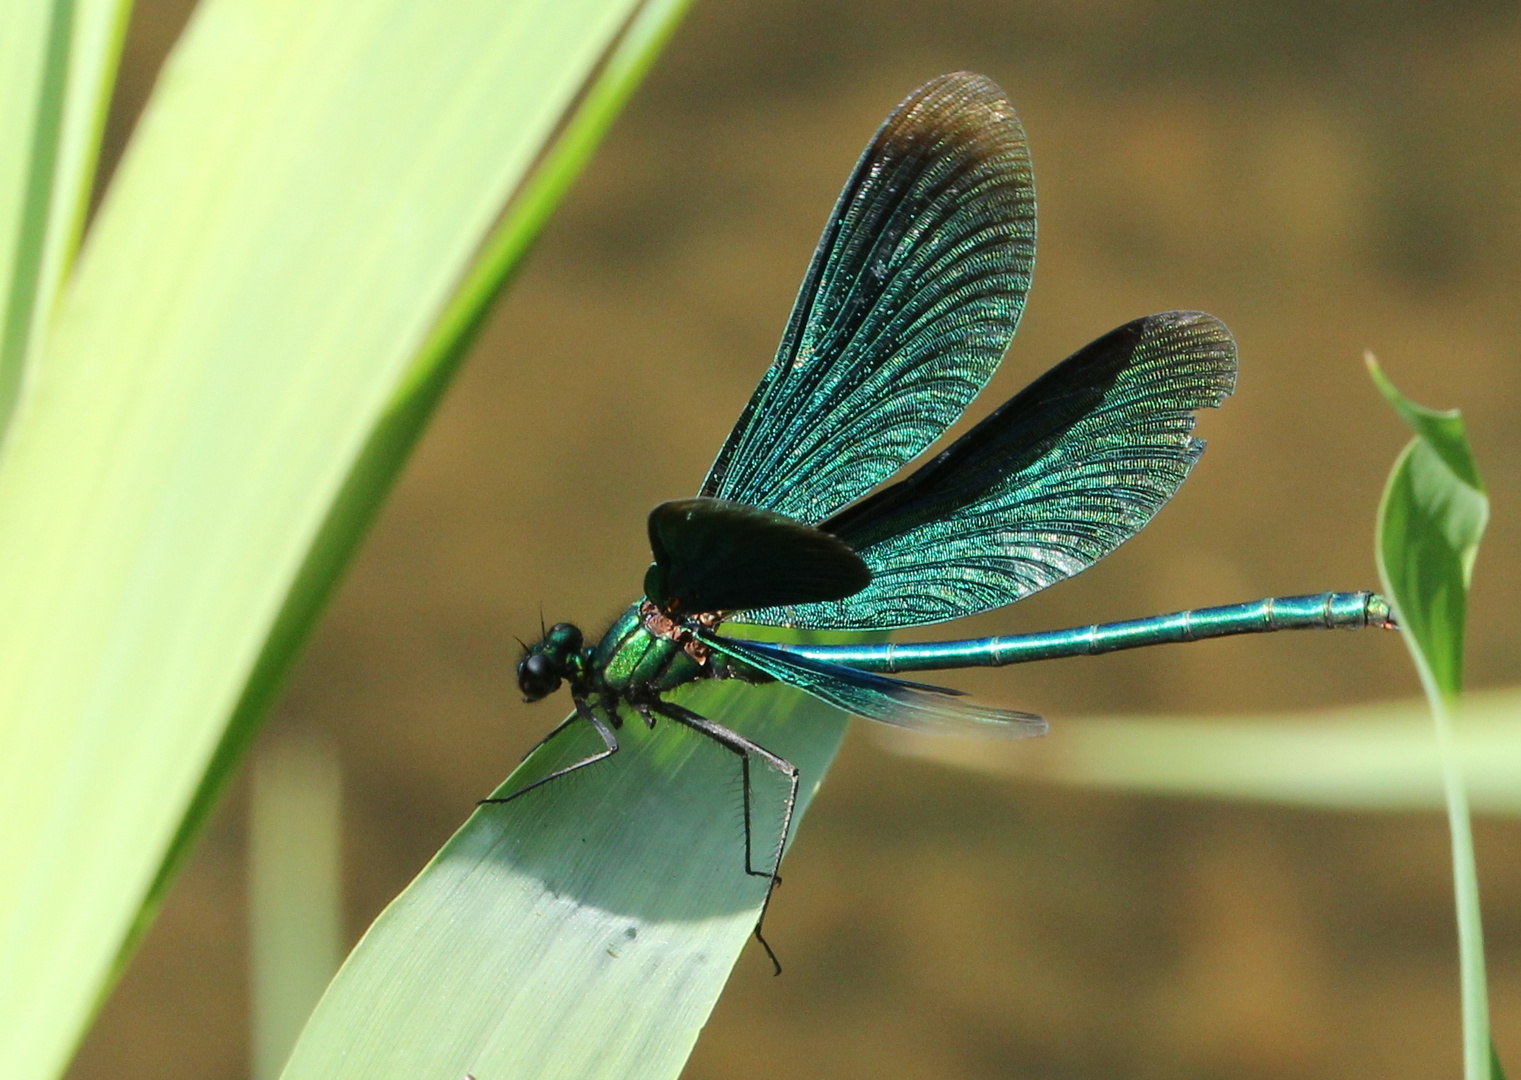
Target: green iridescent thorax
{"points": [[630, 656]]}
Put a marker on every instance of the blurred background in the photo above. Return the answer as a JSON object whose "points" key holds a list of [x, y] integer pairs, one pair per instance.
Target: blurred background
{"points": [[1327, 177]]}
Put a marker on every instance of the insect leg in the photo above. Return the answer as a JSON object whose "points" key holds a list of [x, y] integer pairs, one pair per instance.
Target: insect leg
{"points": [[731, 740], [583, 712], [740, 747], [569, 720], [610, 703]]}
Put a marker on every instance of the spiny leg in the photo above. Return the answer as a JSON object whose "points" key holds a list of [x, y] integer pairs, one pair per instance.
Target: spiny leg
{"points": [[742, 746], [583, 712], [561, 726], [712, 730]]}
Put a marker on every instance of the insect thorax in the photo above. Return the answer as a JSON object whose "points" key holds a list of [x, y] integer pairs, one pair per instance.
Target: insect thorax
{"points": [[646, 652]]}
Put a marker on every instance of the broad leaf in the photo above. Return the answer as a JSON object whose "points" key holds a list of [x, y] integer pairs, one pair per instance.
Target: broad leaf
{"points": [[271, 298], [584, 930], [1433, 514]]}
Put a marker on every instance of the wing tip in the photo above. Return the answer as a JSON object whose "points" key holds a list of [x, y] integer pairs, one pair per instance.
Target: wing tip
{"points": [[971, 107], [986, 721], [1013, 724], [1212, 347]]}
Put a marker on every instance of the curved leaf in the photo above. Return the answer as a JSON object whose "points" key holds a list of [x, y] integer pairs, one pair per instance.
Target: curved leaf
{"points": [[1429, 525], [259, 300]]}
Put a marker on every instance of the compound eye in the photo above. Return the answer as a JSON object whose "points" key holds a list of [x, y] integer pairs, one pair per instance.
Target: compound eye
{"points": [[537, 677], [563, 638]]}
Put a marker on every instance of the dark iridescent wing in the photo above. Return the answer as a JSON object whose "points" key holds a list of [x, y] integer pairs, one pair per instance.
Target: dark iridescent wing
{"points": [[904, 704], [911, 299], [1054, 480], [712, 555]]}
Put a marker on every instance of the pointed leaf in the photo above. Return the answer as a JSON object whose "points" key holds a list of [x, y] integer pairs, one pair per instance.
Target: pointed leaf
{"points": [[1432, 517], [585, 930]]}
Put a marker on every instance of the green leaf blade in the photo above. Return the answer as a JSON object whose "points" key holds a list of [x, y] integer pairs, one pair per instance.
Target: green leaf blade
{"points": [[391, 441], [1430, 522], [299, 203], [57, 62], [1442, 429], [1364, 758], [585, 929], [1430, 526]]}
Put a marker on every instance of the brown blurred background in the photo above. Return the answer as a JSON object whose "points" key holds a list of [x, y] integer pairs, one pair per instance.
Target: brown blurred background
{"points": [[1325, 175]]}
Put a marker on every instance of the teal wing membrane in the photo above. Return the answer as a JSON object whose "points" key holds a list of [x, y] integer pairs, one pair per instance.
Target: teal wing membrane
{"points": [[1059, 476], [912, 297], [916, 706]]}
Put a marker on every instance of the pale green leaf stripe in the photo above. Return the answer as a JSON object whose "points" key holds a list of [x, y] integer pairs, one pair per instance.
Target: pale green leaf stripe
{"points": [[585, 930], [1371, 757], [99, 29], [295, 892], [297, 206], [32, 162], [57, 63]]}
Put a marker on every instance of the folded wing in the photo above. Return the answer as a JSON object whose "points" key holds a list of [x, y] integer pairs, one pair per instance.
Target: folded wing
{"points": [[916, 706]]}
